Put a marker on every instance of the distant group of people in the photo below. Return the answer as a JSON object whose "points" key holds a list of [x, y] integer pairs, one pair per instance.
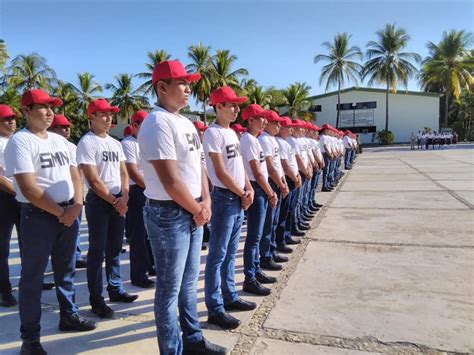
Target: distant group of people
{"points": [[425, 140], [162, 184]]}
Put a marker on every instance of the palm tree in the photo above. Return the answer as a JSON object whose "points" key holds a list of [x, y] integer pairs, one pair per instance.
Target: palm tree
{"points": [[387, 64], [277, 98], [341, 65], [296, 96], [201, 63], [257, 95], [222, 74], [3, 55], [154, 58], [29, 72], [87, 89], [69, 96], [124, 96], [449, 67], [462, 109]]}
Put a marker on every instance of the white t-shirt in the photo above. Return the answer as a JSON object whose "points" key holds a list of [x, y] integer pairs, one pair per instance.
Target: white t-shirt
{"points": [[224, 141], [252, 150], [131, 150], [106, 154], [287, 153], [347, 142], [303, 144], [3, 144], [271, 149], [316, 149], [166, 136], [48, 158], [323, 140]]}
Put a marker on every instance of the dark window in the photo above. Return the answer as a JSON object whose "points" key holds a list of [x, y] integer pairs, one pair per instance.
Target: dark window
{"points": [[315, 108], [357, 106]]}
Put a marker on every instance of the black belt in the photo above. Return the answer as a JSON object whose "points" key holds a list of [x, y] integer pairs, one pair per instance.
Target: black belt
{"points": [[221, 189], [62, 204], [167, 203]]}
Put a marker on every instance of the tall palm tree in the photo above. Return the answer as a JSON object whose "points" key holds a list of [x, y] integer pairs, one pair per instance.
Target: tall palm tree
{"points": [[124, 96], [387, 64], [30, 72], [69, 97], [277, 98], [257, 95], [3, 55], [222, 73], [296, 96], [201, 63], [87, 89], [463, 109], [154, 58], [341, 65], [449, 67]]}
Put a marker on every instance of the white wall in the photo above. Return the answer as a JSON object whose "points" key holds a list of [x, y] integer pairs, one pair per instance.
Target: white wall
{"points": [[407, 113]]}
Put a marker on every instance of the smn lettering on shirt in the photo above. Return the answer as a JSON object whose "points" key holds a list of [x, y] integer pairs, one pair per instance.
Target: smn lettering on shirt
{"points": [[51, 160], [232, 150], [110, 156], [193, 141]]}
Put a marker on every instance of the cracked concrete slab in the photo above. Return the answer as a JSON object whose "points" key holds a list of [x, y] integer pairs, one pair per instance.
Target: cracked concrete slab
{"points": [[369, 186], [388, 177], [465, 185], [395, 294], [448, 176], [265, 346]]}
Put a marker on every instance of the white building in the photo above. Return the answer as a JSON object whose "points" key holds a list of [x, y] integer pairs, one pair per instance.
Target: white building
{"points": [[363, 111]]}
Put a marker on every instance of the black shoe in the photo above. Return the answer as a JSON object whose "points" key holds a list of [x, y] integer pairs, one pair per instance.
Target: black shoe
{"points": [[103, 311], [308, 216], [305, 219], [203, 347], [326, 190], [203, 247], [280, 258], [123, 297], [313, 209], [151, 271], [240, 305], [318, 205], [146, 283], [304, 227], [264, 278], [32, 349], [284, 249], [76, 323], [224, 320], [297, 232], [8, 300], [48, 286], [123, 251], [256, 288], [81, 264], [291, 241], [269, 264]]}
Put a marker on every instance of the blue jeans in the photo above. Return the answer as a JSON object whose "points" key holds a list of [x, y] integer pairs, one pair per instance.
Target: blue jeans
{"points": [[106, 228], [42, 236], [78, 241], [353, 155], [255, 221], [226, 222], [347, 158], [313, 186], [176, 245], [285, 219], [326, 171], [139, 255], [268, 241], [10, 216]]}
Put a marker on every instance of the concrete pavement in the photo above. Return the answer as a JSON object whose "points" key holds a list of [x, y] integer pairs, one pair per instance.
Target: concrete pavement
{"points": [[387, 268]]}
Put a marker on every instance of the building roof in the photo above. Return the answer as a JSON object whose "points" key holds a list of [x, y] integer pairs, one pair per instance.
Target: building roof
{"points": [[383, 91]]}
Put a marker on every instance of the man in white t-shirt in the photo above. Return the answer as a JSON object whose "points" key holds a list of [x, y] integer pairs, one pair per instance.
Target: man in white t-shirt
{"points": [[62, 126], [141, 258], [231, 195], [48, 187], [102, 162], [9, 207], [269, 257], [328, 155], [312, 136], [256, 169], [348, 146], [178, 205]]}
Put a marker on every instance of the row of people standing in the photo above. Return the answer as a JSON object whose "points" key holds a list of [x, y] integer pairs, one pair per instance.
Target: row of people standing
{"points": [[433, 139]]}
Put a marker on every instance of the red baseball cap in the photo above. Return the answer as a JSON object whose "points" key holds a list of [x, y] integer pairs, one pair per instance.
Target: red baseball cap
{"points": [[327, 126], [38, 96], [200, 126], [172, 69], [272, 116], [60, 120], [6, 111], [225, 94], [238, 128], [316, 128], [127, 131], [101, 105], [287, 122], [252, 110], [138, 116]]}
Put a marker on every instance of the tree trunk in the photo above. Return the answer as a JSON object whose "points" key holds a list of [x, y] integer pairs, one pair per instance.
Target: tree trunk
{"points": [[446, 103], [204, 107], [386, 108], [338, 103]]}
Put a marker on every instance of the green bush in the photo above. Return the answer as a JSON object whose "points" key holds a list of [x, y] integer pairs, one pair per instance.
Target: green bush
{"points": [[385, 137]]}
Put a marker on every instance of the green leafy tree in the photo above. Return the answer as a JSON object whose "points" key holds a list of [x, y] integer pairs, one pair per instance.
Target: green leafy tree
{"points": [[277, 98], [154, 58], [87, 89], [341, 65], [124, 96], [462, 110], [257, 95], [3, 55], [222, 74], [297, 99], [30, 72], [387, 64], [449, 67]]}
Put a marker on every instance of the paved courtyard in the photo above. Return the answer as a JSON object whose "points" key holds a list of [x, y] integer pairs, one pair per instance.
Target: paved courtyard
{"points": [[387, 268]]}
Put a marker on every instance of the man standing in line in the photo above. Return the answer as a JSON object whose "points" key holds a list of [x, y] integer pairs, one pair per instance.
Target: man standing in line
{"points": [[140, 250], [231, 195], [256, 168], [62, 126], [178, 205], [325, 145], [9, 207], [49, 189], [102, 161]]}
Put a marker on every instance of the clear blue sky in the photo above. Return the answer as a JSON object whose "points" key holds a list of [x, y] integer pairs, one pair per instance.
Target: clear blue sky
{"points": [[275, 40]]}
